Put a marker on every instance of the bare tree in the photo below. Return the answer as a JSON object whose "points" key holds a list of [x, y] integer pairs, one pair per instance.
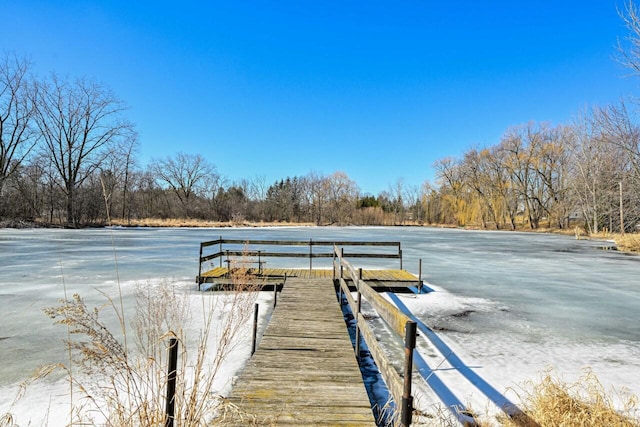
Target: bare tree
{"points": [[524, 148], [257, 195], [213, 185], [342, 197], [596, 169], [397, 197], [17, 138], [414, 201], [115, 178], [185, 175], [502, 184], [79, 121], [128, 164], [623, 137], [476, 167], [617, 123], [429, 199], [317, 191], [629, 47], [454, 191]]}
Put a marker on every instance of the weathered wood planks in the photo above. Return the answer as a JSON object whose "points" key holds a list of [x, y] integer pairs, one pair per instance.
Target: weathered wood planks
{"points": [[369, 275], [304, 371]]}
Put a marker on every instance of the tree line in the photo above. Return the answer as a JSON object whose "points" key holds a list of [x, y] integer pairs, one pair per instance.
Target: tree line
{"points": [[68, 155]]}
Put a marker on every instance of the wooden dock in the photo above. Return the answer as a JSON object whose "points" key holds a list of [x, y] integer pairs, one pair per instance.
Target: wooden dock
{"points": [[304, 371]]}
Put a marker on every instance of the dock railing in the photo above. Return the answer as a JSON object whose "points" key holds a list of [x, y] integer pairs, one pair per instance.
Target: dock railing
{"points": [[225, 249], [400, 324]]}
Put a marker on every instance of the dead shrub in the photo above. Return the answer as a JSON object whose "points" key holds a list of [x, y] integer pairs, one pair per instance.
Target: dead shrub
{"points": [[584, 403]]}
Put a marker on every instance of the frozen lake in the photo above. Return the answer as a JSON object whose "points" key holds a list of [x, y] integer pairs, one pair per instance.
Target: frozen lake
{"points": [[510, 304]]}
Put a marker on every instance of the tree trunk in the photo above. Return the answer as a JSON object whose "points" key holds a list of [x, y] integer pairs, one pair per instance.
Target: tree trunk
{"points": [[71, 219]]}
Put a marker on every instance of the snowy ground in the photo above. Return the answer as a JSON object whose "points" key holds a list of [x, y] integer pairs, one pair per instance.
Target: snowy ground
{"points": [[47, 402], [510, 305]]}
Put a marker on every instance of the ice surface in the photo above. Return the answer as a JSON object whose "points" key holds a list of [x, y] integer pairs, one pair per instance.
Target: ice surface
{"points": [[509, 304]]}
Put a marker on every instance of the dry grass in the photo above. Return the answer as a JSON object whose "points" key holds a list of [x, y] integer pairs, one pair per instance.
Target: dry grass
{"points": [[627, 242], [6, 420], [194, 223], [585, 403]]}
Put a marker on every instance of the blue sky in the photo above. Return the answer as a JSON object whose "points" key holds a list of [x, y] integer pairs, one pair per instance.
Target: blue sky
{"points": [[377, 89]]}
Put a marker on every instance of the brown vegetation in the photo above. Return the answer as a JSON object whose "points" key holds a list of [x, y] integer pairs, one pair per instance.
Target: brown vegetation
{"points": [[585, 403], [194, 223], [627, 242]]}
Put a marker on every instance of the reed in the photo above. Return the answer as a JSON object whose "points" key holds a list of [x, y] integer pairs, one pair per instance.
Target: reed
{"points": [[628, 242], [584, 403]]}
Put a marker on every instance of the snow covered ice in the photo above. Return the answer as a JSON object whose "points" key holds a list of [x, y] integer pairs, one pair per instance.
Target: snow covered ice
{"points": [[509, 304]]}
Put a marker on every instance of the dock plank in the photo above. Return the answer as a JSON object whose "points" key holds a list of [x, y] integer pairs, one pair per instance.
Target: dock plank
{"points": [[304, 371], [316, 273]]}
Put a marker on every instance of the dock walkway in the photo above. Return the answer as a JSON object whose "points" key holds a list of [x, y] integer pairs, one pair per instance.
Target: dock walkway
{"points": [[304, 371]]}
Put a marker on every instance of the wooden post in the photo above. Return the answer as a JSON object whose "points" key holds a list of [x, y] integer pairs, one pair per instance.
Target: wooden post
{"points": [[255, 328], [200, 267], [310, 254], [334, 264], [341, 258], [275, 294], [621, 211], [400, 252], [420, 276], [220, 251], [359, 306], [334, 276], [407, 398], [171, 381]]}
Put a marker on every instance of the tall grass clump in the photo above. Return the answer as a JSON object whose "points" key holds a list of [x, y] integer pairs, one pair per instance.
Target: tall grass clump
{"points": [[115, 384], [6, 420], [584, 403], [629, 242]]}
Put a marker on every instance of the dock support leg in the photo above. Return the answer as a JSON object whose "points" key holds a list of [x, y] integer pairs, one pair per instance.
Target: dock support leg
{"points": [[200, 267], [420, 276], [171, 381], [357, 315], [275, 295], [256, 309], [407, 398]]}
